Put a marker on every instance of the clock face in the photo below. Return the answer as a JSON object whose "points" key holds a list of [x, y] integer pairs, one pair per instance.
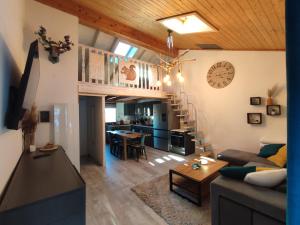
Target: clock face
{"points": [[220, 74]]}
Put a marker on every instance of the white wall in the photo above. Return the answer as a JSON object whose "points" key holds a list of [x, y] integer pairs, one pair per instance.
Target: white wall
{"points": [[222, 112], [12, 59], [58, 82]]}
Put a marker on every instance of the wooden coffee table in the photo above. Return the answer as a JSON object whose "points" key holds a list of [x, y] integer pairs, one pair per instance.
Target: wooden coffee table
{"points": [[194, 184]]}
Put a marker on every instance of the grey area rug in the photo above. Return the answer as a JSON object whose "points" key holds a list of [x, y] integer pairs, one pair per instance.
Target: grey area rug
{"points": [[174, 209]]}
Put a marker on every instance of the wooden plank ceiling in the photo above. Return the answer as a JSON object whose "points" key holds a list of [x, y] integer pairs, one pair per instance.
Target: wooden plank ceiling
{"points": [[242, 24]]}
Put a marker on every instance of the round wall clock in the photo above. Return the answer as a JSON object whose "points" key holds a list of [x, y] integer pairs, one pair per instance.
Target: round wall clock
{"points": [[220, 74]]}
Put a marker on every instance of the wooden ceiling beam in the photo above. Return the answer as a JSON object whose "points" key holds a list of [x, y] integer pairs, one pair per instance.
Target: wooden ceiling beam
{"points": [[104, 23]]}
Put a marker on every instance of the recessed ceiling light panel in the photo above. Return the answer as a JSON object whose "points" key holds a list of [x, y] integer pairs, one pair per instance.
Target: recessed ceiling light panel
{"points": [[187, 23]]}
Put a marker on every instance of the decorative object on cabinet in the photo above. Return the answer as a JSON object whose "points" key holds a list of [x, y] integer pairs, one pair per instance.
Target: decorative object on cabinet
{"points": [[220, 74], [55, 48], [255, 100], [273, 110], [48, 147], [29, 124], [254, 118]]}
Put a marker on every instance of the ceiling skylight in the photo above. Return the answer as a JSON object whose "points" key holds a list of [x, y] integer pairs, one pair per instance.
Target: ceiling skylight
{"points": [[122, 49], [126, 50], [131, 52], [187, 23]]}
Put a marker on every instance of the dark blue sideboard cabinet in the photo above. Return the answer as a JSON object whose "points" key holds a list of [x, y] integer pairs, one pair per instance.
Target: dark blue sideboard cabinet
{"points": [[45, 189]]}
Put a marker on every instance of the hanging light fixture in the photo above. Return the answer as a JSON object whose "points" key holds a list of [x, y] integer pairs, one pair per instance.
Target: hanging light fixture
{"points": [[178, 75], [170, 42], [169, 65]]}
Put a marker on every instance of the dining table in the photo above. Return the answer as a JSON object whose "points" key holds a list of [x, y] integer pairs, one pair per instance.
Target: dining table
{"points": [[125, 134]]}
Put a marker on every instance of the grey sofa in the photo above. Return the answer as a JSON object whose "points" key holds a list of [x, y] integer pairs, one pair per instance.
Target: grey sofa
{"points": [[240, 158], [235, 202]]}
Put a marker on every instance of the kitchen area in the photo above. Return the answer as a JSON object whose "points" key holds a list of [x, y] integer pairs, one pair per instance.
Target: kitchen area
{"points": [[153, 118]]}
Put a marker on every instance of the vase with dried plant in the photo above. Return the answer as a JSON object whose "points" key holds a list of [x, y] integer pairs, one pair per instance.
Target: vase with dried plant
{"points": [[29, 124], [271, 93]]}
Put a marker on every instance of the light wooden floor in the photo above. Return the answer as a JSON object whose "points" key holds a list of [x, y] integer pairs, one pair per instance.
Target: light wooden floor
{"points": [[109, 198]]}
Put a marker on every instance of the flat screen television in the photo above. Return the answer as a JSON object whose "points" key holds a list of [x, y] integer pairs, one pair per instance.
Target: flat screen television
{"points": [[23, 97]]}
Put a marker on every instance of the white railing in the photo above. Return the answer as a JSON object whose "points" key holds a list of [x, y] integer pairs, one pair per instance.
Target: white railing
{"points": [[102, 68]]}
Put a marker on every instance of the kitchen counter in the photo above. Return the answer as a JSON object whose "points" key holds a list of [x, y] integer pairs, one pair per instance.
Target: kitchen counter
{"points": [[140, 125]]}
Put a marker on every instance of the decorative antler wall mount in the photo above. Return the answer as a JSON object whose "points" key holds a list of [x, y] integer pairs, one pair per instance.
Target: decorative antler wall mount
{"points": [[55, 48]]}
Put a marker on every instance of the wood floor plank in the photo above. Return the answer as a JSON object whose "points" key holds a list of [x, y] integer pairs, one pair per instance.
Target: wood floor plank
{"points": [[109, 199]]}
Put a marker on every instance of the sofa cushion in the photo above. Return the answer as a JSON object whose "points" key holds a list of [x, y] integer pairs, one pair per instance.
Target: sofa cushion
{"points": [[237, 172], [240, 158], [280, 158], [269, 150], [267, 178]]}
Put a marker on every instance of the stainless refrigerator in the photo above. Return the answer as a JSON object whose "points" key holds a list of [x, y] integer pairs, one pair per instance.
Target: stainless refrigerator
{"points": [[164, 120]]}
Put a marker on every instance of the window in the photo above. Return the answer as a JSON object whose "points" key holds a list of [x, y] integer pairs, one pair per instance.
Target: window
{"points": [[131, 52], [110, 115], [126, 50]]}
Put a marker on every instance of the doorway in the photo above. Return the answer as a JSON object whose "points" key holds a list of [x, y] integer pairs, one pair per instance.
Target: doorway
{"points": [[92, 128]]}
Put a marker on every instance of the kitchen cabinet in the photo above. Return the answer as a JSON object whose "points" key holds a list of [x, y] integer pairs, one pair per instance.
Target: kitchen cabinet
{"points": [[129, 109], [45, 189], [142, 109]]}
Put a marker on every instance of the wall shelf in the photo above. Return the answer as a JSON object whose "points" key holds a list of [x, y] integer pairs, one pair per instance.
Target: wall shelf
{"points": [[273, 110], [255, 100], [254, 118]]}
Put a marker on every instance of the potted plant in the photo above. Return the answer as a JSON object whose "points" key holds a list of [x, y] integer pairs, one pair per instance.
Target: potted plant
{"points": [[271, 93]]}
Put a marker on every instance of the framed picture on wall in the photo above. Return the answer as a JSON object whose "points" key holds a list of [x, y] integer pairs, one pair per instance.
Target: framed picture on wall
{"points": [[255, 100], [254, 118]]}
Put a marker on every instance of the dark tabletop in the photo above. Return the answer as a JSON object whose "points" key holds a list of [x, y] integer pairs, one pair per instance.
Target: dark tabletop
{"points": [[37, 179]]}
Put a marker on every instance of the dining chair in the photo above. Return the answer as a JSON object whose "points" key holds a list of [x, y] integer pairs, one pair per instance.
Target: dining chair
{"points": [[117, 146], [139, 148]]}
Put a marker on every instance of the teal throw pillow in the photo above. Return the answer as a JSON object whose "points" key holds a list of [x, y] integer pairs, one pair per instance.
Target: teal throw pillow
{"points": [[237, 172], [269, 150]]}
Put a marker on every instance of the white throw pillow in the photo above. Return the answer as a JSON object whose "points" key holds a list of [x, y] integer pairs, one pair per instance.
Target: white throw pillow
{"points": [[266, 178]]}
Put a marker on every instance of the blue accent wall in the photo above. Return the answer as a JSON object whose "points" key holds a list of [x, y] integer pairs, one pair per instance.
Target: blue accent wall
{"points": [[293, 107]]}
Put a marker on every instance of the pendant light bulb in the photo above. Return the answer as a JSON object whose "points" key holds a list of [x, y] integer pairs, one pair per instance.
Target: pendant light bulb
{"points": [[169, 83], [166, 78], [178, 75], [181, 79], [158, 83]]}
